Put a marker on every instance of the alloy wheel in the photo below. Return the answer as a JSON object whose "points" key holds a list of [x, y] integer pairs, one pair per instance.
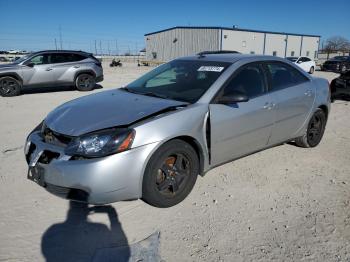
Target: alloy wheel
{"points": [[85, 81], [315, 130], [173, 174], [8, 85]]}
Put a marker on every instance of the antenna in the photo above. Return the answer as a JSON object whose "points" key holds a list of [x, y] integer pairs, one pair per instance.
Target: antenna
{"points": [[60, 32]]}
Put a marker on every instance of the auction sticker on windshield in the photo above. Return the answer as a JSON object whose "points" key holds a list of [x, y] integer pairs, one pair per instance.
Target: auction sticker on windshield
{"points": [[211, 68]]}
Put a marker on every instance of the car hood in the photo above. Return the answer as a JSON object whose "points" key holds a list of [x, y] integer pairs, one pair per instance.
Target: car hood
{"points": [[104, 110], [6, 66]]}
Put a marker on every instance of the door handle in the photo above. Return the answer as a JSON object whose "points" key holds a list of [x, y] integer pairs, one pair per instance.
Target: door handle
{"points": [[269, 106], [76, 66], [48, 69], [308, 93]]}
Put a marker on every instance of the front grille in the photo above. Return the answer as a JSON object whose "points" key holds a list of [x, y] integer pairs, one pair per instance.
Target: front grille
{"points": [[52, 137]]}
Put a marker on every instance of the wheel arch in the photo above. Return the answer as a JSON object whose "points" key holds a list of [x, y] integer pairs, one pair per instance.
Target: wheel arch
{"points": [[90, 72], [325, 109], [197, 147], [193, 143], [14, 75]]}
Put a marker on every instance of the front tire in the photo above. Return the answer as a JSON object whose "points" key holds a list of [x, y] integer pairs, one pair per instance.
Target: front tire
{"points": [[85, 82], [170, 174], [315, 130], [9, 86]]}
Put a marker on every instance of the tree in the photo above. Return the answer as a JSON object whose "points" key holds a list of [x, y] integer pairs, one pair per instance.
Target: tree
{"points": [[335, 44]]}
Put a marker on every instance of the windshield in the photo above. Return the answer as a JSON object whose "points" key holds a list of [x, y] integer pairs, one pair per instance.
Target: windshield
{"points": [[180, 80], [21, 59], [293, 59]]}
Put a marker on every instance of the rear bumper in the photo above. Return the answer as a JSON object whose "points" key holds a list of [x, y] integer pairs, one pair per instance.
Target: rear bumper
{"points": [[331, 67], [96, 181]]}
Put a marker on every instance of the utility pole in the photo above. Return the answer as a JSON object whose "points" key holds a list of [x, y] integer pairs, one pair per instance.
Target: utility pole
{"points": [[95, 48], [109, 50], [60, 31], [55, 44], [116, 47], [100, 48]]}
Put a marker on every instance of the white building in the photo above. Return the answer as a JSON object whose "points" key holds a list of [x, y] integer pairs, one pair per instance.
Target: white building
{"points": [[174, 42]]}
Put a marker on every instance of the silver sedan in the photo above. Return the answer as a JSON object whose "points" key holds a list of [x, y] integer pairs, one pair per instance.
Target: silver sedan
{"points": [[153, 137]]}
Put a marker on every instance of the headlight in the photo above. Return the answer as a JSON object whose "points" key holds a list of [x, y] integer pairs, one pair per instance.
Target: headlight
{"points": [[101, 143]]}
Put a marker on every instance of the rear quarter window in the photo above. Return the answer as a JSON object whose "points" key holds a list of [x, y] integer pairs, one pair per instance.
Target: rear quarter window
{"points": [[282, 76]]}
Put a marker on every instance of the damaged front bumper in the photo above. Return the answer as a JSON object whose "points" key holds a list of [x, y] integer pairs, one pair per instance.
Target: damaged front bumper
{"points": [[97, 181]]}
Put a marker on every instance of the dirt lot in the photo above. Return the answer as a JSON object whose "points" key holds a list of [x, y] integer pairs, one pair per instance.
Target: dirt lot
{"points": [[282, 204]]}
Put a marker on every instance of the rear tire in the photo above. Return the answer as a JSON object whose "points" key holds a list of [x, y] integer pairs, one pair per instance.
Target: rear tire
{"points": [[315, 130], [9, 86], [170, 174], [85, 82], [312, 70]]}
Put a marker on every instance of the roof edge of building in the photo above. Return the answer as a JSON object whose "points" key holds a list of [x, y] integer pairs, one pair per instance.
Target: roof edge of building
{"points": [[229, 28]]}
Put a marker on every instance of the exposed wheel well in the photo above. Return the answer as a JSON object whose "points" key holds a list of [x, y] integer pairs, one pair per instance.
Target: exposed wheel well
{"points": [[324, 109], [196, 146]]}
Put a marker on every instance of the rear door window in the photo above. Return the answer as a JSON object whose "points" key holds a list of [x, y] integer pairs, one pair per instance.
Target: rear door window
{"points": [[66, 58], [283, 76]]}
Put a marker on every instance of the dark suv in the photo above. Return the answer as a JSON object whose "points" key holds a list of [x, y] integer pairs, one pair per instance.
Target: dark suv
{"points": [[51, 68], [340, 87], [337, 64]]}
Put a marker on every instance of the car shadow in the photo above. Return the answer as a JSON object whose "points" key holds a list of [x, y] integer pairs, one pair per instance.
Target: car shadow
{"points": [[35, 90], [77, 238]]}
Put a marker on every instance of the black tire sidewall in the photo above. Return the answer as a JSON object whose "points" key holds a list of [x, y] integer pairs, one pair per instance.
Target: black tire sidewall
{"points": [[150, 193], [323, 117], [91, 87], [15, 92]]}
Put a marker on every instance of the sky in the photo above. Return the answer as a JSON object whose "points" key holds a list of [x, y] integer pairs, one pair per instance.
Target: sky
{"points": [[119, 26]]}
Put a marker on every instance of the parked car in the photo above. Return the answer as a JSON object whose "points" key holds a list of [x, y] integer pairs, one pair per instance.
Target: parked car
{"points": [[3, 59], [340, 87], [304, 62], [153, 137], [50, 68], [337, 64]]}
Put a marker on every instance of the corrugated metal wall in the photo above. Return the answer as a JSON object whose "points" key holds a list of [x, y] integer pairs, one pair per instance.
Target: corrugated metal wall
{"points": [[243, 42], [177, 42], [168, 45]]}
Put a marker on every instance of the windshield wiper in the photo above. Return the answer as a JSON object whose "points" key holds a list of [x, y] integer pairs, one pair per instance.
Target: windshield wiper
{"points": [[154, 95], [144, 93]]}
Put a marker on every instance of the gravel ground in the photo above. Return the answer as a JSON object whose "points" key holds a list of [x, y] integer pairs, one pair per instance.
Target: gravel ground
{"points": [[284, 204]]}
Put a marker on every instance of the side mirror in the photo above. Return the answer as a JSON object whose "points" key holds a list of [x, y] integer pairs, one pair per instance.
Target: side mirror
{"points": [[299, 61], [234, 98], [30, 64]]}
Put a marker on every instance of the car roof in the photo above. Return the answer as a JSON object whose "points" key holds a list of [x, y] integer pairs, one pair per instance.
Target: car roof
{"points": [[230, 58], [61, 51]]}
